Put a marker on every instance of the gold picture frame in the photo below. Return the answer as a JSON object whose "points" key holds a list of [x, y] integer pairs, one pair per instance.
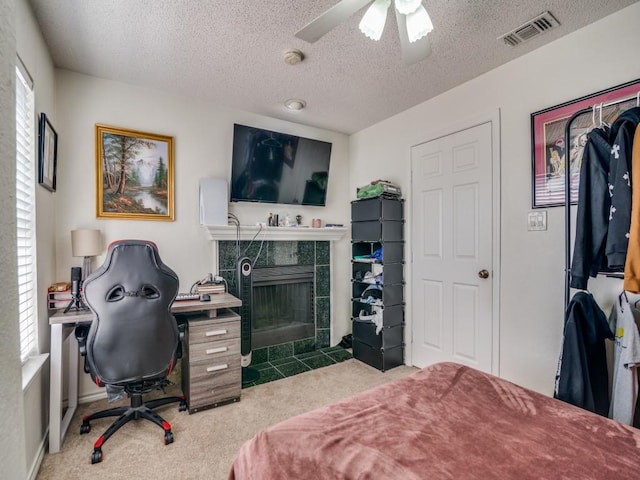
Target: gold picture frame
{"points": [[134, 174]]}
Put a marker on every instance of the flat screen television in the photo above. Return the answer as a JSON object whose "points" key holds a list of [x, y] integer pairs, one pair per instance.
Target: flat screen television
{"points": [[272, 167]]}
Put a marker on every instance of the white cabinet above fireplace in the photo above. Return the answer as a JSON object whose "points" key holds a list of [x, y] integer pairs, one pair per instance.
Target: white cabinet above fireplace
{"points": [[249, 232]]}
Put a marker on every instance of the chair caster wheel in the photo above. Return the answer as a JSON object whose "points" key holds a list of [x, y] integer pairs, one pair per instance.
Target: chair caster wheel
{"points": [[183, 406], [168, 438], [85, 428], [96, 456]]}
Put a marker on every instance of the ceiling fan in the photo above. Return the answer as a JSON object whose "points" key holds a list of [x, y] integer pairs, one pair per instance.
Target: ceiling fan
{"points": [[413, 24]]}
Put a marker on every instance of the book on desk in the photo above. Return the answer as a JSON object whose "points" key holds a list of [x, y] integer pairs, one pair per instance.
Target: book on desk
{"points": [[210, 288], [58, 299]]}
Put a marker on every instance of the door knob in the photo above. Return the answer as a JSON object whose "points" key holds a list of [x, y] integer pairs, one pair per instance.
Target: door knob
{"points": [[483, 274]]}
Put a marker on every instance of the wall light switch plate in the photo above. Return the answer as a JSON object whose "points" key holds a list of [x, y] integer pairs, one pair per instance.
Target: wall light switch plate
{"points": [[537, 221]]}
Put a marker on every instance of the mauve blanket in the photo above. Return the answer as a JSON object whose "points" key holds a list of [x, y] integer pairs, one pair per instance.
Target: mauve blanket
{"points": [[446, 421]]}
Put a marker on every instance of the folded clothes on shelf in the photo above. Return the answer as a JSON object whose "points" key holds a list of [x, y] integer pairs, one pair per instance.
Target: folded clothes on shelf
{"points": [[375, 256], [375, 317], [370, 277], [372, 295], [373, 291], [370, 301], [378, 188]]}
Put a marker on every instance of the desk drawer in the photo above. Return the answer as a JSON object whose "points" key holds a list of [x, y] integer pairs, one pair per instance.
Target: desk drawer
{"points": [[212, 351], [200, 332], [209, 397], [215, 382], [212, 389], [218, 370]]}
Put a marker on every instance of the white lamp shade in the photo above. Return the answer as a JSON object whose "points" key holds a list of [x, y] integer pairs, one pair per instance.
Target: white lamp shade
{"points": [[418, 24], [372, 23], [86, 243], [405, 7]]}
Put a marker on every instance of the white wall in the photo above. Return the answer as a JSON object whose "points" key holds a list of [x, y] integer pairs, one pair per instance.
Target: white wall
{"points": [[594, 58], [30, 45], [203, 137], [12, 444]]}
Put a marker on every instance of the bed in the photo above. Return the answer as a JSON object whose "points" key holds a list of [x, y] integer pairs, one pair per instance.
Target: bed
{"points": [[446, 421]]}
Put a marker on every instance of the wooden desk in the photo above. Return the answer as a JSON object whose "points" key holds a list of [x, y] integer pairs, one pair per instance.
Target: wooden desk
{"points": [[62, 324]]}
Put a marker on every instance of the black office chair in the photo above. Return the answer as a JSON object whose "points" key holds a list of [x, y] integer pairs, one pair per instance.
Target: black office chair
{"points": [[133, 341]]}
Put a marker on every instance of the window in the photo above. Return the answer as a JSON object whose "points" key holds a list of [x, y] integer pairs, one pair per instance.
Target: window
{"points": [[25, 211]]}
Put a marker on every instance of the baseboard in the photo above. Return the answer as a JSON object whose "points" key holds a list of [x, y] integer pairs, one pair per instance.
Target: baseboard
{"points": [[35, 466], [92, 397]]}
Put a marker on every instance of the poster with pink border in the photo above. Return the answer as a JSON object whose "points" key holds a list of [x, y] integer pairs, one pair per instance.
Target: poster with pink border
{"points": [[549, 146]]}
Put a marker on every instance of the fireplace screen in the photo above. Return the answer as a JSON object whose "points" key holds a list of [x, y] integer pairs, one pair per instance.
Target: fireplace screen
{"points": [[283, 304]]}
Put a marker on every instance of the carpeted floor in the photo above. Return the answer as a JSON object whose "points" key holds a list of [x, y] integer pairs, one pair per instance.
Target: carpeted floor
{"points": [[206, 442]]}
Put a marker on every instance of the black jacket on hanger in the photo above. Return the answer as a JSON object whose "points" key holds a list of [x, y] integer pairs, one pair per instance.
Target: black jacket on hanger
{"points": [[583, 377], [622, 132], [593, 210]]}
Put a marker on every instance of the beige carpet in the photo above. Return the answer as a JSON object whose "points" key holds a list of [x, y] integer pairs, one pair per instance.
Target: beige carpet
{"points": [[206, 442]]}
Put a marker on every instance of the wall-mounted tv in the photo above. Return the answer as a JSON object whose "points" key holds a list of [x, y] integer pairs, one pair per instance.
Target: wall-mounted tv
{"points": [[274, 167]]}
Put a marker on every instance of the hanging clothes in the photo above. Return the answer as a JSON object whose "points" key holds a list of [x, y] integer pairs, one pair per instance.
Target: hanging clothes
{"points": [[604, 200], [632, 263], [626, 358], [583, 378], [594, 204], [622, 132]]}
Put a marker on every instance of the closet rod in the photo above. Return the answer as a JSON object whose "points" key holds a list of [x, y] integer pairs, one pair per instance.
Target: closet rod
{"points": [[620, 100], [567, 191]]}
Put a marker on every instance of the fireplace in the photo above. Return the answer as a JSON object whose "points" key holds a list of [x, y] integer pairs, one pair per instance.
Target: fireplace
{"points": [[283, 304], [313, 258]]}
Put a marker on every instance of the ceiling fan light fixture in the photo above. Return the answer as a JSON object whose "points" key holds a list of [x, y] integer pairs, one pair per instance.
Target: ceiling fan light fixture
{"points": [[418, 24], [372, 23], [405, 7]]}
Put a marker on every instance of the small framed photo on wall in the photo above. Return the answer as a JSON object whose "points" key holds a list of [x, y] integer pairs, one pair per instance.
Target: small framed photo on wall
{"points": [[47, 153]]}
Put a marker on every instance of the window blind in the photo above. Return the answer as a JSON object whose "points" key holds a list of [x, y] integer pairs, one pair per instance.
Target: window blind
{"points": [[25, 210]]}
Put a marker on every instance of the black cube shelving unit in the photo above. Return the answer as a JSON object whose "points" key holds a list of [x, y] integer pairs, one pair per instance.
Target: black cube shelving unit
{"points": [[377, 297]]}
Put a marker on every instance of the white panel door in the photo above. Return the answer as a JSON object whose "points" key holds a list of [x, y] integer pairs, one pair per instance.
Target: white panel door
{"points": [[452, 226]]}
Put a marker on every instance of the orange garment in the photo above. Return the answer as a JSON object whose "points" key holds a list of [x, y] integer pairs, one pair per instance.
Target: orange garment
{"points": [[632, 262]]}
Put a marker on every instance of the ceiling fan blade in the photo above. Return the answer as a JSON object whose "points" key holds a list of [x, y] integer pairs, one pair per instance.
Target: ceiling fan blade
{"points": [[411, 52], [330, 19]]}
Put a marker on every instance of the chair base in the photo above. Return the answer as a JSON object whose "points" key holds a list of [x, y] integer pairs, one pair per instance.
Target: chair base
{"points": [[135, 411]]}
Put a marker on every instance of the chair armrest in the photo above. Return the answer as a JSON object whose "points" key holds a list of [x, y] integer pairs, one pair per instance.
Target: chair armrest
{"points": [[182, 327], [82, 332]]}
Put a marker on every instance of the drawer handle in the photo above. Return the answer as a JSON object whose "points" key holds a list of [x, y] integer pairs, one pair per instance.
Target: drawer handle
{"points": [[216, 350], [213, 333], [215, 368]]}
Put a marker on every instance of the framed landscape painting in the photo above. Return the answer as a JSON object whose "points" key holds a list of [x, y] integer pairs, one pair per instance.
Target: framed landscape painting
{"points": [[134, 173], [548, 143]]}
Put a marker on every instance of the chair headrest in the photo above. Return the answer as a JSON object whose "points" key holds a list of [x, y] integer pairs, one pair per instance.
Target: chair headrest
{"points": [[131, 268]]}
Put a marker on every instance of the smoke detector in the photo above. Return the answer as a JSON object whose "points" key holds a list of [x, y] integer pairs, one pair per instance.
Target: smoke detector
{"points": [[534, 27], [293, 57]]}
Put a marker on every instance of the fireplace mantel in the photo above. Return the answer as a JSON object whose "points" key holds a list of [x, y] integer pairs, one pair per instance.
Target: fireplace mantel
{"points": [[248, 232]]}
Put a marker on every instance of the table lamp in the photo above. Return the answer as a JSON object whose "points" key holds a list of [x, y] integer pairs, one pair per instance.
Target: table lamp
{"points": [[86, 243]]}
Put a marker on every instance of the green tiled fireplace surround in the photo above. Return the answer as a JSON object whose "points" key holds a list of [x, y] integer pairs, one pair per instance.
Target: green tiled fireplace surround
{"points": [[278, 253], [293, 364]]}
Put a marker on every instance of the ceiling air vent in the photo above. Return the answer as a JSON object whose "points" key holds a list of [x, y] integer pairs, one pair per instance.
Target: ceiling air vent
{"points": [[530, 29]]}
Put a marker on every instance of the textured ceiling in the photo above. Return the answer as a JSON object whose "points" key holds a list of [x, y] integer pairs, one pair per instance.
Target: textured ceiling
{"points": [[231, 51]]}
